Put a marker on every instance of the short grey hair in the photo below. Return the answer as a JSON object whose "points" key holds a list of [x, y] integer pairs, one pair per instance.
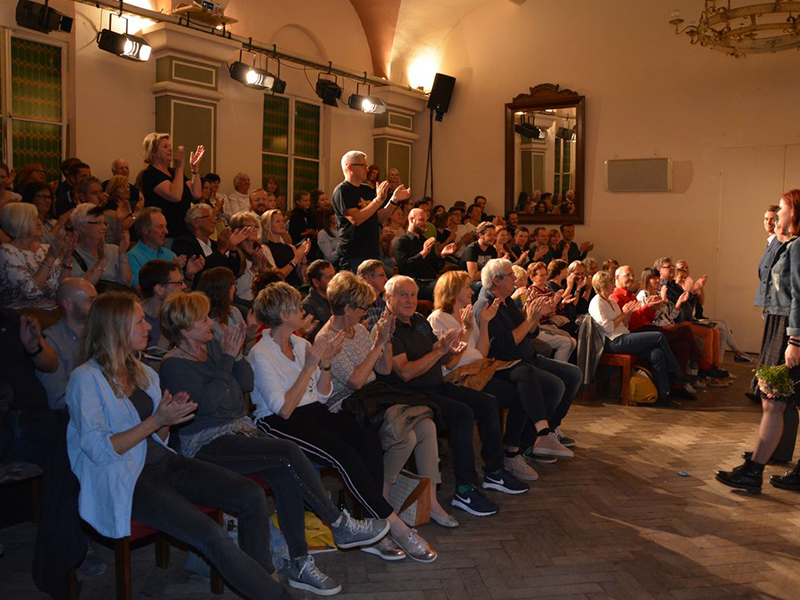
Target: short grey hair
{"points": [[589, 261], [370, 266], [351, 157], [19, 219], [274, 299], [238, 177], [660, 262], [195, 212], [574, 265], [396, 281], [80, 214], [86, 183], [493, 268]]}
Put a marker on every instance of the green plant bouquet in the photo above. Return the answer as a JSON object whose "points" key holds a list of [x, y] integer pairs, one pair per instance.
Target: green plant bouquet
{"points": [[774, 381]]}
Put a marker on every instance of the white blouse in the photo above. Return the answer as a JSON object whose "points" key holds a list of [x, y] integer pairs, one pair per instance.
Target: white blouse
{"points": [[604, 312], [275, 374], [442, 322]]}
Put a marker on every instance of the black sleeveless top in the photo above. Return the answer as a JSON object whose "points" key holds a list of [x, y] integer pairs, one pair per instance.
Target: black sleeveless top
{"points": [[144, 406]]}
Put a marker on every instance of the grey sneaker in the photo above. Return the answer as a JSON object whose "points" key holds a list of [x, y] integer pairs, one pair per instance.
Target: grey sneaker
{"points": [[351, 532], [519, 468], [304, 575]]}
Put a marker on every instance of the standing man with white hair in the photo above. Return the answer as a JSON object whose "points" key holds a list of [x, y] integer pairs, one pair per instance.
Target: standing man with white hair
{"points": [[238, 200], [360, 211]]}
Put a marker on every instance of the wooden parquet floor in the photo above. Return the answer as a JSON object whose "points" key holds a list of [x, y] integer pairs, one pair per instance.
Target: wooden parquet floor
{"points": [[636, 515]]}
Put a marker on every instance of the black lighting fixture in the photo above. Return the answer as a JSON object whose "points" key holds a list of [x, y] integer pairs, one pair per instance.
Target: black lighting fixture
{"points": [[564, 133], [256, 77], [123, 45], [328, 90], [529, 130], [40, 17], [367, 104]]}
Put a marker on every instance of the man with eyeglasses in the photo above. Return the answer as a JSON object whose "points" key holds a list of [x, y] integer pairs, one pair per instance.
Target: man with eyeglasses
{"points": [[360, 211], [158, 279]]}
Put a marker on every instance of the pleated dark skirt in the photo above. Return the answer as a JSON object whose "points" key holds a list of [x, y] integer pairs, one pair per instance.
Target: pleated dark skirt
{"points": [[773, 346]]}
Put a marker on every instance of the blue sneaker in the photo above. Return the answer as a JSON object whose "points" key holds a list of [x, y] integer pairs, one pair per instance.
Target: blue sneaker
{"points": [[505, 482], [475, 503]]}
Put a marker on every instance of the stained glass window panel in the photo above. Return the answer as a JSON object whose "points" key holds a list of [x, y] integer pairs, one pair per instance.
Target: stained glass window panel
{"points": [[37, 143], [35, 80], [277, 167], [306, 175], [306, 130], [276, 124]]}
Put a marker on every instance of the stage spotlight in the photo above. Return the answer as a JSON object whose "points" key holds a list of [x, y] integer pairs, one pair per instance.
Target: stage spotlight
{"points": [[367, 104], [124, 45], [253, 77], [40, 17], [529, 130], [328, 91]]}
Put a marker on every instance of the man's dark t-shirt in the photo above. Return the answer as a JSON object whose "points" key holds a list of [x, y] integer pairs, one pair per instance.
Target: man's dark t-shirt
{"points": [[474, 253], [174, 212], [356, 241], [415, 339]]}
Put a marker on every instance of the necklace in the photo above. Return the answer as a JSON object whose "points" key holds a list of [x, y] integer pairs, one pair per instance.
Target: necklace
{"points": [[194, 356]]}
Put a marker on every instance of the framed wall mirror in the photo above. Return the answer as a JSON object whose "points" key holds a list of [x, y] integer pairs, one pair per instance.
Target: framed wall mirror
{"points": [[545, 148]]}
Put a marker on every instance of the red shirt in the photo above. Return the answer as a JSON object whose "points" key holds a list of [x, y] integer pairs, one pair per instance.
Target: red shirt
{"points": [[643, 316]]}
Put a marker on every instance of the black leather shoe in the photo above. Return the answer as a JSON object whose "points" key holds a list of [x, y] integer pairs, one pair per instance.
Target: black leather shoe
{"points": [[666, 402], [788, 481], [771, 461], [747, 477]]}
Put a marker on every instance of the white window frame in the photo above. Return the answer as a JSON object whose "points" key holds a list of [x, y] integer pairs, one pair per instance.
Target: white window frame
{"points": [[290, 155]]}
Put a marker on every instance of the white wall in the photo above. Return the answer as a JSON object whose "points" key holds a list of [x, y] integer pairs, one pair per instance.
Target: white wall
{"points": [[648, 93]]}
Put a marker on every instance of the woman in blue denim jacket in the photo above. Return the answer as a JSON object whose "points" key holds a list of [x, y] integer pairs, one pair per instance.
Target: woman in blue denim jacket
{"points": [[780, 343], [116, 440]]}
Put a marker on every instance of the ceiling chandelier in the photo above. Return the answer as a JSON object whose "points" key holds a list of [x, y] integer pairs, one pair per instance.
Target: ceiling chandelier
{"points": [[741, 30]]}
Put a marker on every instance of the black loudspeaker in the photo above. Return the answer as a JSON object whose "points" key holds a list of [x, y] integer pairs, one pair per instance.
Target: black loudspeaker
{"points": [[441, 93]]}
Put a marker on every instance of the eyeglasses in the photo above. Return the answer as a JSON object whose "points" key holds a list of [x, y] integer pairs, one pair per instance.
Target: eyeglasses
{"points": [[179, 282], [358, 164], [95, 222], [43, 196]]}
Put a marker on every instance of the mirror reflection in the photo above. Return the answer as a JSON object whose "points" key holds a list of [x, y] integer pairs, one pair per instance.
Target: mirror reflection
{"points": [[545, 147]]}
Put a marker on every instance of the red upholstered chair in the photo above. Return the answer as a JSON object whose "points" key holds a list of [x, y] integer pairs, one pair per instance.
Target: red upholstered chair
{"points": [[145, 534]]}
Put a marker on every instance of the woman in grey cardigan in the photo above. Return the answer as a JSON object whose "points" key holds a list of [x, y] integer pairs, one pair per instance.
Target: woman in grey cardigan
{"points": [[223, 434], [782, 342]]}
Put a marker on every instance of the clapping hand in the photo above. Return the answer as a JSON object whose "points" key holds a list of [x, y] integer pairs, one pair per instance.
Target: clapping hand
{"points": [[324, 348], [307, 325], [382, 191], [194, 265], [630, 307], [535, 308], [233, 339], [489, 310], [173, 410], [449, 248], [30, 332], [383, 330], [445, 343], [465, 314], [401, 193], [654, 301], [196, 157], [427, 246]]}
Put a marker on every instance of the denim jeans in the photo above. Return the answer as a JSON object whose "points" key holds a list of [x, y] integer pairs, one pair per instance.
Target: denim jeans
{"points": [[652, 347], [165, 496], [460, 406], [289, 473]]}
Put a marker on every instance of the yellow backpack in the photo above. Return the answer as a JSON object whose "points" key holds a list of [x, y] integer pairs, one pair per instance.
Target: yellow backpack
{"points": [[643, 390]]}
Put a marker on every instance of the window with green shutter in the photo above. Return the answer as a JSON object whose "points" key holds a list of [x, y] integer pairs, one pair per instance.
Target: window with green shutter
{"points": [[32, 97], [291, 144]]}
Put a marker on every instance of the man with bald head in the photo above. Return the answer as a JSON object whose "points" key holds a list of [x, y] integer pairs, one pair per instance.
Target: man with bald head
{"points": [[679, 336], [416, 255], [75, 297], [121, 168]]}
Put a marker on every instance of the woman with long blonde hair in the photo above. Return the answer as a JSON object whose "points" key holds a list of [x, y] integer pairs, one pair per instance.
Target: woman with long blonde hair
{"points": [[286, 258], [116, 440]]}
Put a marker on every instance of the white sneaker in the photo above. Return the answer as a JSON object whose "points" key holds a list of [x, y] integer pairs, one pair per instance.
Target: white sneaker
{"points": [[548, 445], [519, 468]]}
